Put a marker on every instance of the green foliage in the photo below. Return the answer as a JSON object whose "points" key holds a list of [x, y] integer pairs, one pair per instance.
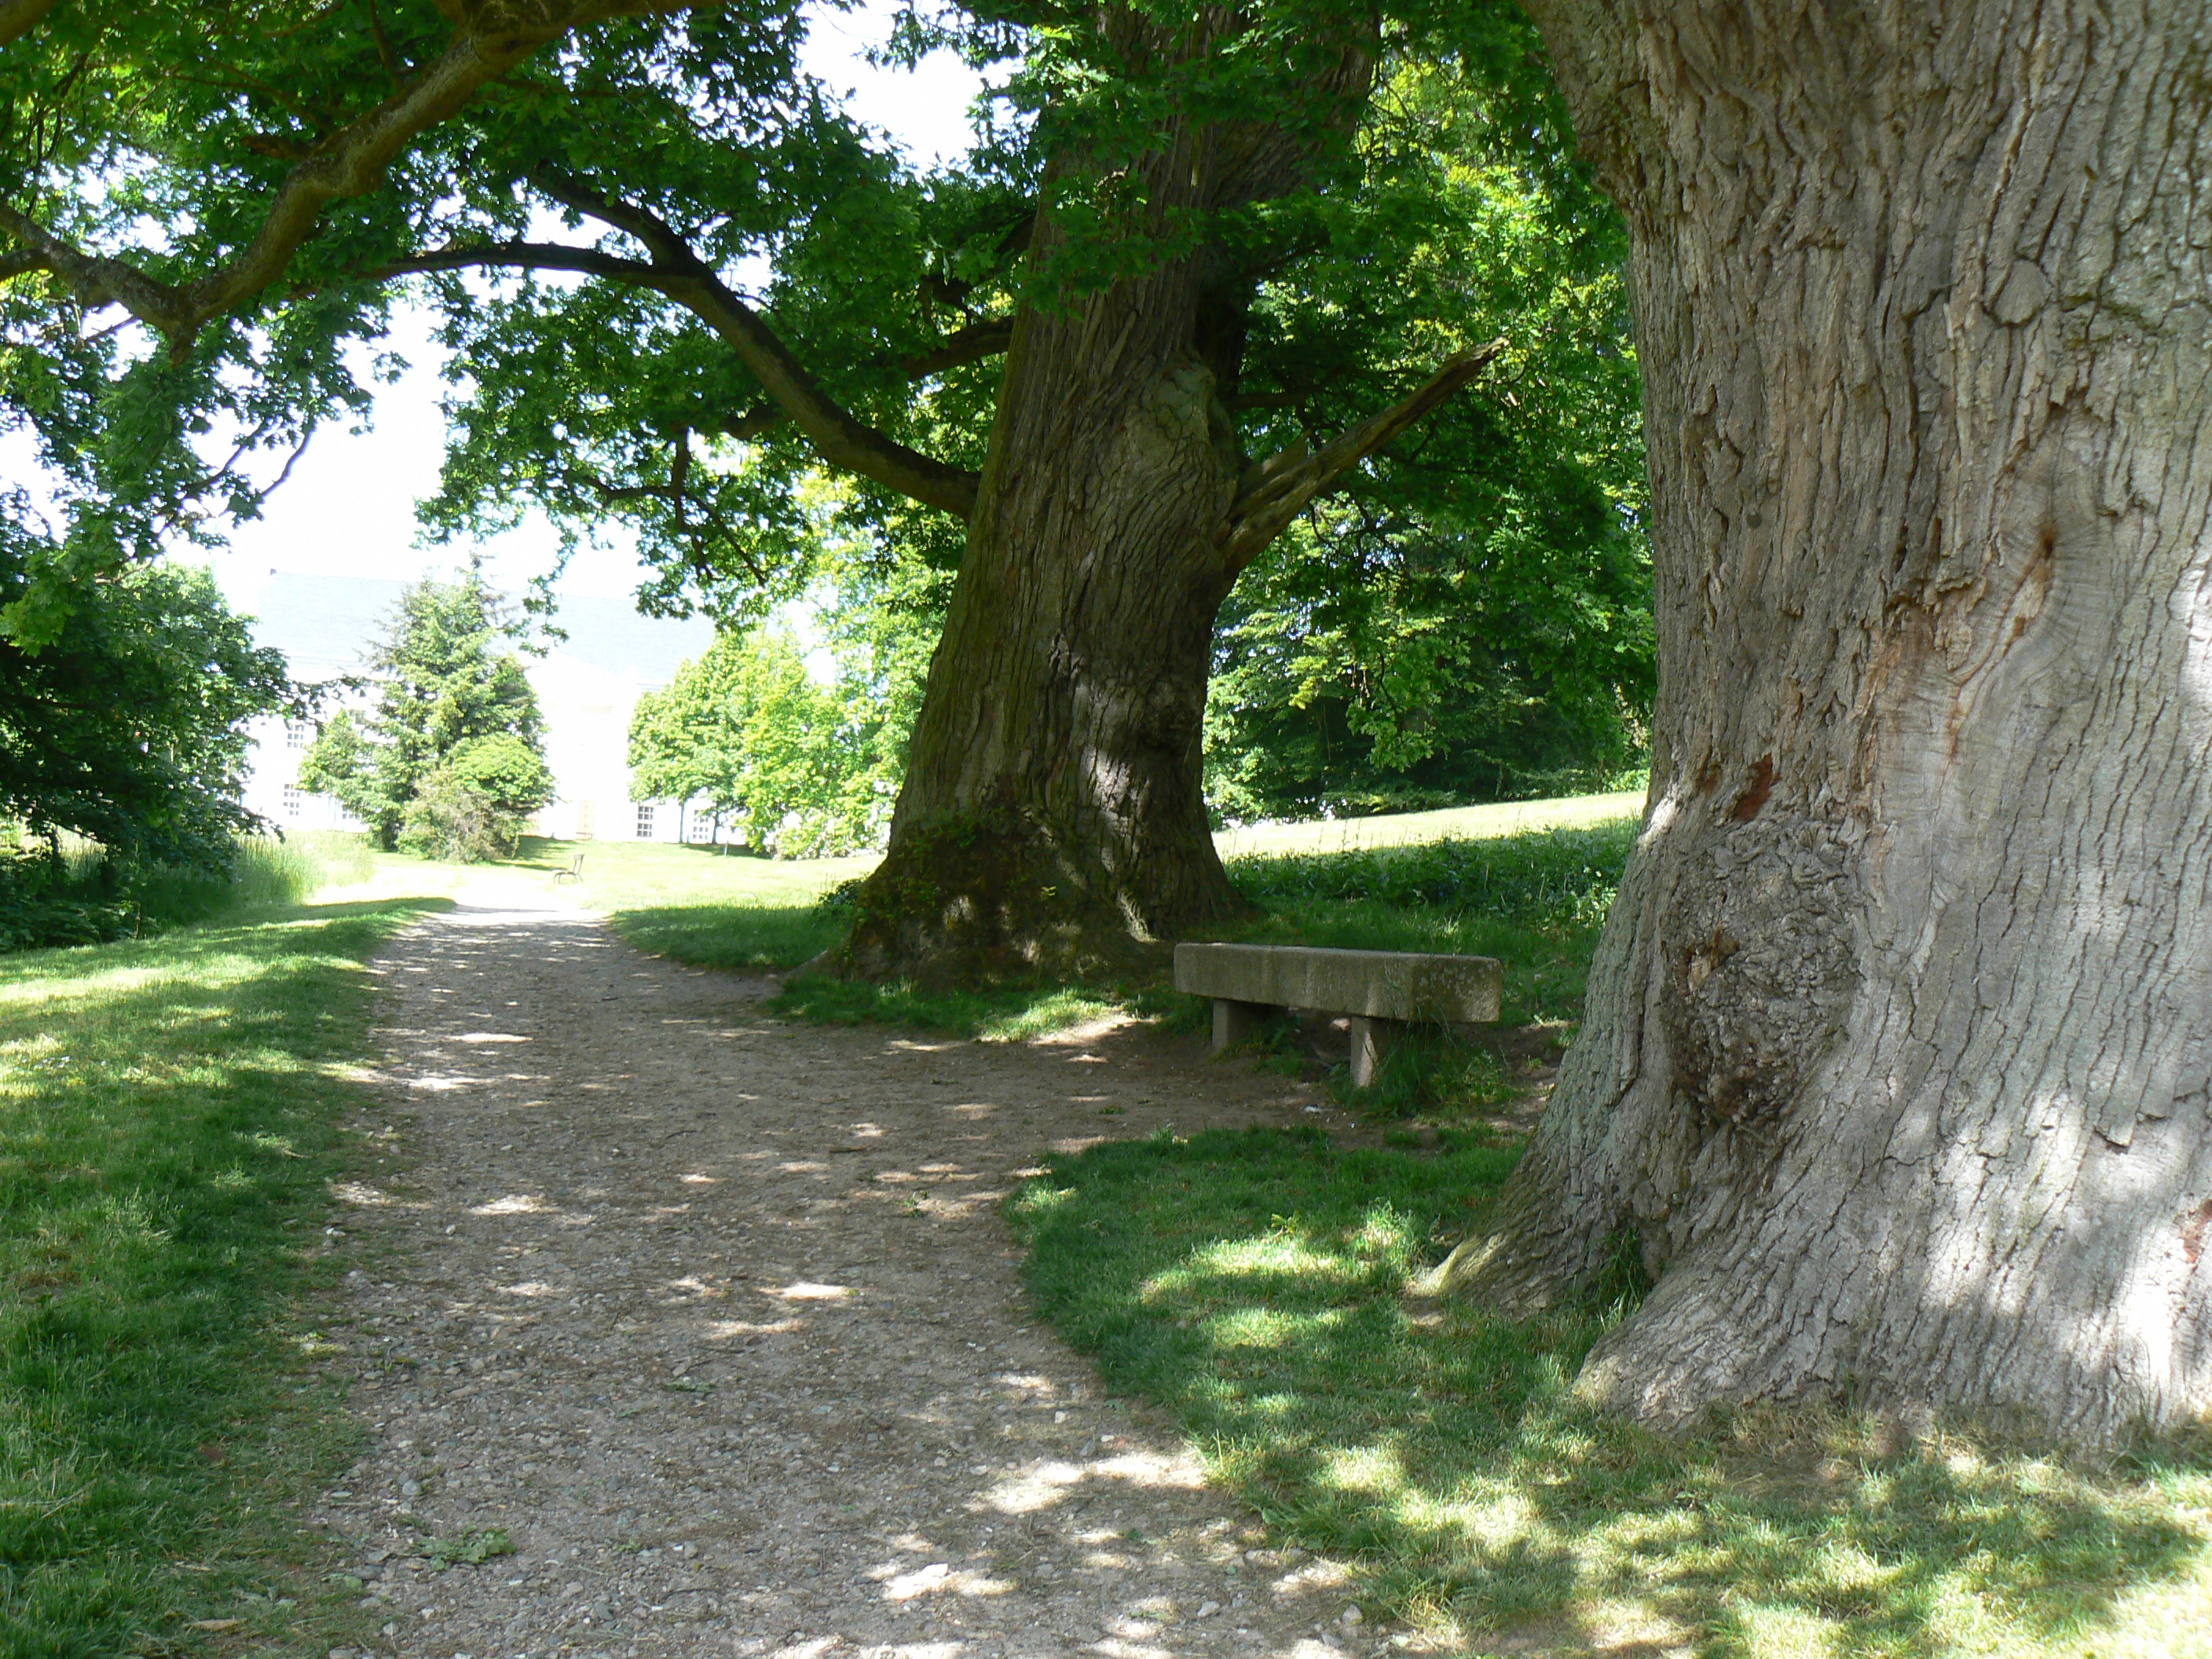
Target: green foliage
{"points": [[169, 1121], [453, 757], [44, 901], [449, 819], [127, 725], [1470, 619], [505, 770], [1255, 1285], [87, 897], [342, 763], [795, 767]]}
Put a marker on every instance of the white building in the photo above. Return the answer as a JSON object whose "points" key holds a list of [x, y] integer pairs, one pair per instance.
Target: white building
{"points": [[587, 688]]}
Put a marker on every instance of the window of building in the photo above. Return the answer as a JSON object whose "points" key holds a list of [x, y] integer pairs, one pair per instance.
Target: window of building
{"points": [[295, 798], [646, 814], [298, 734]]}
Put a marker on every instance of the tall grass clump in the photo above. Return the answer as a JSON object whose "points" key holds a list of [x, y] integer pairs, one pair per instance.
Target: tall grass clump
{"points": [[268, 872], [78, 894], [1536, 901]]}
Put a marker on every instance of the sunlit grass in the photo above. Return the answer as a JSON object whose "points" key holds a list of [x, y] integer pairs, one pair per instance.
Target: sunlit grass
{"points": [[168, 1119], [629, 875], [1257, 1285], [1392, 829]]}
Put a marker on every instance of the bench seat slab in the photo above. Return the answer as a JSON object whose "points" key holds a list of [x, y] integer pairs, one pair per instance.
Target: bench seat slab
{"points": [[1411, 987]]}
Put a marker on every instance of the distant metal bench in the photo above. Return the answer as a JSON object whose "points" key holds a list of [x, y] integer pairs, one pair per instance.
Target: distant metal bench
{"points": [[575, 872], [1382, 990]]}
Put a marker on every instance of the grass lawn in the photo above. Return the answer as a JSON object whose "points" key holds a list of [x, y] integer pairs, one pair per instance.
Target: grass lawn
{"points": [[169, 1114], [1255, 1285], [1500, 818]]}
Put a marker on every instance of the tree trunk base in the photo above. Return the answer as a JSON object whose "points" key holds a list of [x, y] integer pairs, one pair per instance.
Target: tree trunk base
{"points": [[1001, 900]]}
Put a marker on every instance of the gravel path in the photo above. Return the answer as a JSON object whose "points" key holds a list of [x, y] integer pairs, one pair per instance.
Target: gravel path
{"points": [[716, 1318]]}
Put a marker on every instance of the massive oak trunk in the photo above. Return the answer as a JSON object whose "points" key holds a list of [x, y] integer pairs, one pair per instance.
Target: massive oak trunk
{"points": [[1898, 1044], [1052, 815]]}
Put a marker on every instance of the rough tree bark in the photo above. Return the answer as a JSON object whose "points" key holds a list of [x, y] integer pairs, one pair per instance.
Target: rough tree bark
{"points": [[1052, 814], [1898, 1056]]}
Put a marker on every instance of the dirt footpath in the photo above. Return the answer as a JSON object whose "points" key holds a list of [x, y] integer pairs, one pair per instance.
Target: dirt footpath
{"points": [[715, 1317]]}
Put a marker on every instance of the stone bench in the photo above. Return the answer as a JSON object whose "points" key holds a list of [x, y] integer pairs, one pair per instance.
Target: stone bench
{"points": [[1381, 990]]}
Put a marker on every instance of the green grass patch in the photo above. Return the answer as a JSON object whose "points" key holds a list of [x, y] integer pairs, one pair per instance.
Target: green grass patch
{"points": [[1255, 1285], [1535, 901], [756, 938], [998, 1014], [169, 1114]]}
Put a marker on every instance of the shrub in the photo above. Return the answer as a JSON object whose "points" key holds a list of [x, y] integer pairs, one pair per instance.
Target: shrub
{"points": [[449, 820], [505, 770]]}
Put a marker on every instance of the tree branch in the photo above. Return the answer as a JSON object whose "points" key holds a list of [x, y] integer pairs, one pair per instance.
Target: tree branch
{"points": [[964, 345], [675, 271], [488, 42], [19, 17], [672, 492], [970, 344], [1274, 491]]}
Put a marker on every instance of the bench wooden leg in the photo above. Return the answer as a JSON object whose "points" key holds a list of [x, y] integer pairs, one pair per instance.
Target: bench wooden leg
{"points": [[1370, 1040], [1233, 1021]]}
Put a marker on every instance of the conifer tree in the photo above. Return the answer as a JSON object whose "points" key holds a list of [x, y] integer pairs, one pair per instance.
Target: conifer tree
{"points": [[453, 757]]}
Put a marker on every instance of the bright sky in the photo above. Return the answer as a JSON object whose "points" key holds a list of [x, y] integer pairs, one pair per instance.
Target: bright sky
{"points": [[349, 507]]}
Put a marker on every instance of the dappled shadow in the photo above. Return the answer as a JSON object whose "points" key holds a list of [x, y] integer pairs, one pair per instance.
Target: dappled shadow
{"points": [[1256, 1283], [733, 1299]]}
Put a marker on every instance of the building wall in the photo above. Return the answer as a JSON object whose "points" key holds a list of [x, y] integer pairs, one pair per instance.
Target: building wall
{"points": [[273, 780]]}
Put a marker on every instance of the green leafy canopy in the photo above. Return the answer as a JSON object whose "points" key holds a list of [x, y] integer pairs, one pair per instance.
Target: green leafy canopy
{"points": [[677, 280]]}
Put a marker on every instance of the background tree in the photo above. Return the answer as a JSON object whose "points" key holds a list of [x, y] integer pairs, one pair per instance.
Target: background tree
{"points": [[1470, 617], [1898, 1057], [452, 699], [127, 725], [1108, 482], [792, 766]]}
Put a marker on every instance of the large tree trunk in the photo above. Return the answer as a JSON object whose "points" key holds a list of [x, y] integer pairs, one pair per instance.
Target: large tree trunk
{"points": [[1052, 815], [1898, 1048]]}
